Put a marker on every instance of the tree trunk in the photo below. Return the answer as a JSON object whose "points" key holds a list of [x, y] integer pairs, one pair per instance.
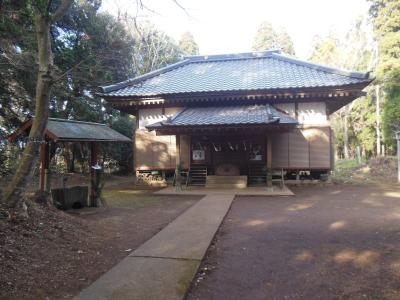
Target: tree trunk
{"points": [[42, 98], [24, 173]]}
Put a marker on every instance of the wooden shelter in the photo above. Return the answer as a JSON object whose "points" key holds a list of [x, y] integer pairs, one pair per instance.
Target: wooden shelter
{"points": [[62, 130], [242, 115]]}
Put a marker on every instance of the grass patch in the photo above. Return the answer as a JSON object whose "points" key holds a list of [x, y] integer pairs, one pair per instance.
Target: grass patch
{"points": [[350, 171], [130, 197], [346, 164], [375, 170]]}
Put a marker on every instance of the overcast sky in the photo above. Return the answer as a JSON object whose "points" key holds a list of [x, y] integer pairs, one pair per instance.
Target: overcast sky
{"points": [[229, 26]]}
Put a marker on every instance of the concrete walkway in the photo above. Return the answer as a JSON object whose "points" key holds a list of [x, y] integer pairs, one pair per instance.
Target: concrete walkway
{"points": [[164, 266], [248, 191]]}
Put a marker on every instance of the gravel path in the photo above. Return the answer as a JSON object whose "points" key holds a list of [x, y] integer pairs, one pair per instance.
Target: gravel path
{"points": [[332, 242]]}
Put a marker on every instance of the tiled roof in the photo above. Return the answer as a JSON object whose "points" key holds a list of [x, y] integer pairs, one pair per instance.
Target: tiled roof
{"points": [[236, 72], [227, 115], [77, 130], [71, 130]]}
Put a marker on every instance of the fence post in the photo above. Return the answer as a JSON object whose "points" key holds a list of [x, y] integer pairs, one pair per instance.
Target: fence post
{"points": [[358, 154], [398, 155]]}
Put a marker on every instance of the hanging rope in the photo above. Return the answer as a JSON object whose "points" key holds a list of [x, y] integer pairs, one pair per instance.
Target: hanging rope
{"points": [[217, 148]]}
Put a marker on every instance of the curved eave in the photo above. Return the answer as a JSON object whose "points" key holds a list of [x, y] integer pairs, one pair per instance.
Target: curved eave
{"points": [[160, 129], [329, 88]]}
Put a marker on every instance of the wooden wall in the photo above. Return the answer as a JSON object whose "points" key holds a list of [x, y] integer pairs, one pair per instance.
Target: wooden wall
{"points": [[158, 152], [302, 148]]}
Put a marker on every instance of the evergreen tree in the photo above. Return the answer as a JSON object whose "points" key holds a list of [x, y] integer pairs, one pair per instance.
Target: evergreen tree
{"points": [[90, 49], [267, 37], [353, 125], [391, 116], [188, 45], [18, 65], [386, 20], [326, 50]]}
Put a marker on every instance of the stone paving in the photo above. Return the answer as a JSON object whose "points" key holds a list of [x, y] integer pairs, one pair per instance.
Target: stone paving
{"points": [[164, 266], [248, 191]]}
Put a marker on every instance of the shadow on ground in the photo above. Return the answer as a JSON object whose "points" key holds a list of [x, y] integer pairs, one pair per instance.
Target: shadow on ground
{"points": [[328, 242]]}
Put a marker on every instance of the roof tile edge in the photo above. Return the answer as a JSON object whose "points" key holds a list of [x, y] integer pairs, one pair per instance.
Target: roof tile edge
{"points": [[231, 56], [76, 121], [120, 85], [321, 67]]}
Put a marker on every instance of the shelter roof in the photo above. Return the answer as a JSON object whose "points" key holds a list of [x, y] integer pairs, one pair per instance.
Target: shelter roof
{"points": [[70, 130]]}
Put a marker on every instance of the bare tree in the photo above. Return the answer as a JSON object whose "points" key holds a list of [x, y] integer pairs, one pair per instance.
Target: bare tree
{"points": [[46, 76]]}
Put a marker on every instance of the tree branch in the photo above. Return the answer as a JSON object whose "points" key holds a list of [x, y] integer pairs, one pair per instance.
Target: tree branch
{"points": [[48, 7], [181, 7], [61, 10], [73, 67]]}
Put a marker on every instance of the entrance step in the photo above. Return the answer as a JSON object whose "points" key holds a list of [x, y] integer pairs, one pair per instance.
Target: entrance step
{"points": [[226, 182], [257, 175], [197, 175]]}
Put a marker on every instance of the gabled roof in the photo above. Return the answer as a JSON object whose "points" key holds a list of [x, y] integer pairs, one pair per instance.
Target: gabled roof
{"points": [[60, 130], [268, 70], [226, 115]]}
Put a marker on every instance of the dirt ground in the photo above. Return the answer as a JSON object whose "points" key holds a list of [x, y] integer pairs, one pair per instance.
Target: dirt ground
{"points": [[331, 242], [56, 255]]}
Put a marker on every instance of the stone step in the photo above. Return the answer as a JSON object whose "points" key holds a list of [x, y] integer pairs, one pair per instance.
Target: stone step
{"points": [[226, 181], [197, 175]]}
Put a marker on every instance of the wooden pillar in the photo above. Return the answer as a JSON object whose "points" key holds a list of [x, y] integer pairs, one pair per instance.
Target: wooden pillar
{"points": [[178, 151], [93, 162], [178, 161], [190, 152], [268, 150], [134, 144], [44, 167]]}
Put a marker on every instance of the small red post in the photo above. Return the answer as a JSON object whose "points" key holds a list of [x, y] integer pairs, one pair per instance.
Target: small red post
{"points": [[93, 162]]}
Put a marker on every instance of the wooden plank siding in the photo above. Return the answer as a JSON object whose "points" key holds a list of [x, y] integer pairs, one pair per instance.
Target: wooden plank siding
{"points": [[319, 141], [300, 149], [158, 152], [280, 150]]}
